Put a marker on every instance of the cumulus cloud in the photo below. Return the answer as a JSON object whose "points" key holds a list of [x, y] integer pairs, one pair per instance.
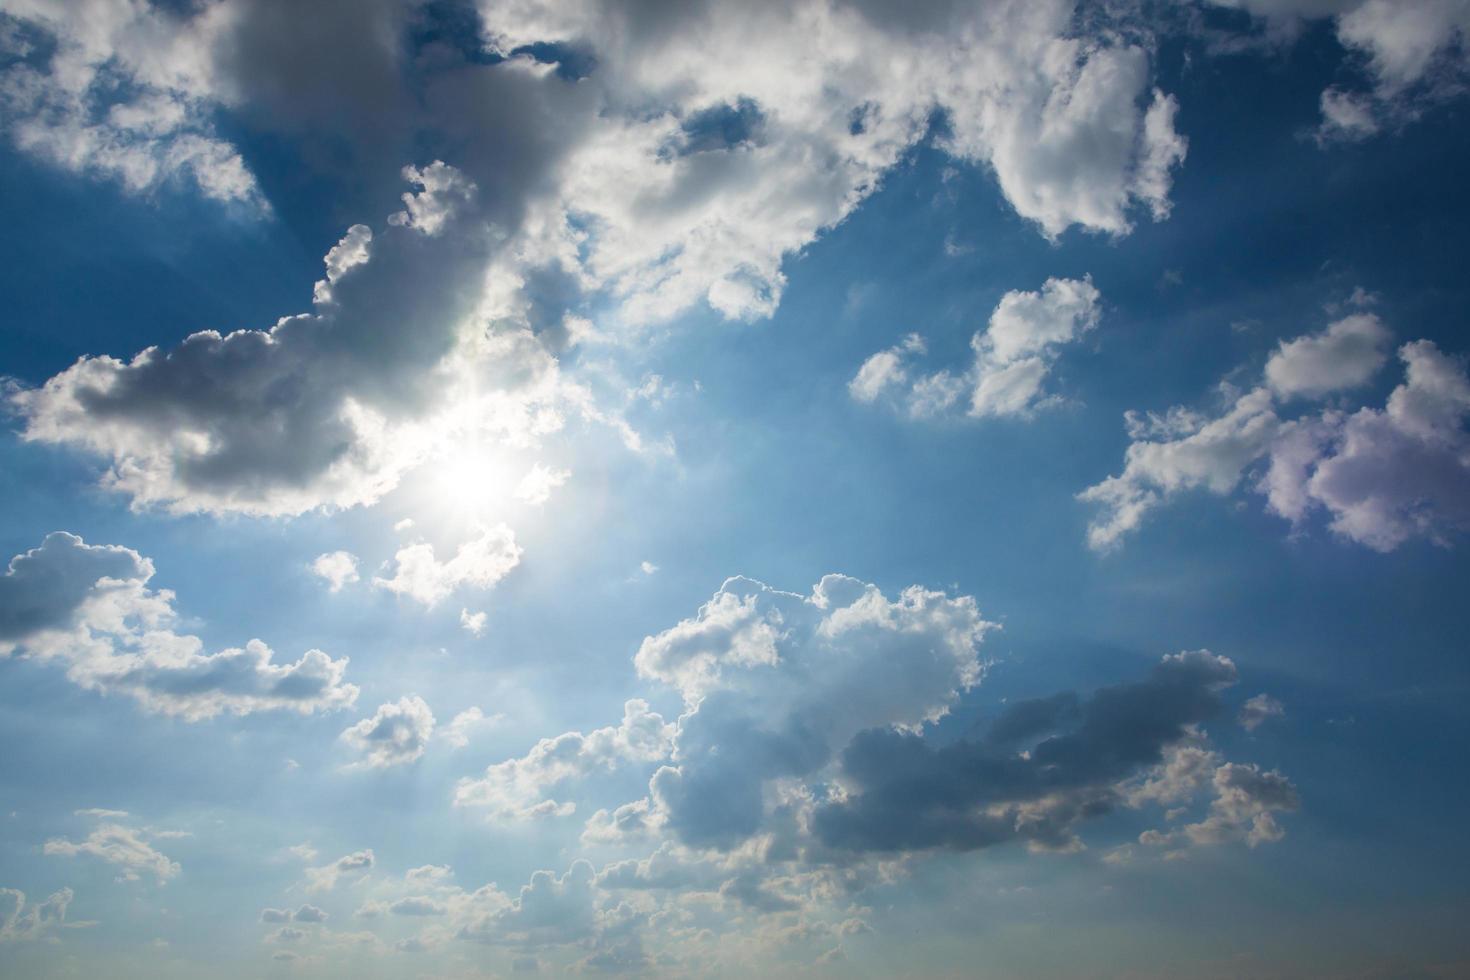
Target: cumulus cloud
{"points": [[479, 563], [21, 921], [337, 568], [122, 91], [1246, 802], [1382, 476], [472, 622], [1346, 355], [519, 788], [125, 847], [89, 607], [1013, 357], [395, 735], [776, 683], [674, 161]]}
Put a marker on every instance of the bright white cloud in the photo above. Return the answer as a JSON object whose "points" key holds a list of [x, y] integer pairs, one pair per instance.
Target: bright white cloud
{"points": [[395, 735], [89, 607], [519, 788], [479, 563], [1013, 356], [123, 91], [337, 568], [472, 622], [1383, 477], [536, 486]]}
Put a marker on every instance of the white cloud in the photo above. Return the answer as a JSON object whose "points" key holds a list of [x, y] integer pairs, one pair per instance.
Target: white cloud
{"points": [[1013, 356], [536, 486], [1383, 476], [478, 563], [124, 92], [458, 732], [519, 788], [337, 568], [1346, 355], [472, 623], [119, 845], [395, 735], [90, 608], [647, 567]]}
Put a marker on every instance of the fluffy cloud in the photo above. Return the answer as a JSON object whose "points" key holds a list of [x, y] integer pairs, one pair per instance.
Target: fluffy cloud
{"points": [[1013, 356], [336, 568], [90, 608], [776, 683], [518, 788], [674, 161], [122, 846], [480, 563], [1383, 476], [397, 734], [20, 921], [1244, 809], [121, 91], [1346, 355]]}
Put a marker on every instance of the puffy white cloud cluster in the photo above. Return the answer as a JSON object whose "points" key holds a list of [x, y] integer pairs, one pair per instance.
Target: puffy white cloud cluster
{"points": [[1013, 356], [1383, 476], [701, 148], [124, 91], [89, 607], [337, 568], [22, 921], [519, 788], [1414, 53], [1259, 710], [398, 733], [481, 562]]}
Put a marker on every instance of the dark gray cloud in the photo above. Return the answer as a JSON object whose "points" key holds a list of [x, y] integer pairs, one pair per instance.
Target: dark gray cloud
{"points": [[907, 794]]}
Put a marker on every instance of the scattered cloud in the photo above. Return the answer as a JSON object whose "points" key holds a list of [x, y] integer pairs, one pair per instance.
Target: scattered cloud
{"points": [[1013, 357], [336, 568], [395, 735], [89, 607], [480, 563], [1383, 476]]}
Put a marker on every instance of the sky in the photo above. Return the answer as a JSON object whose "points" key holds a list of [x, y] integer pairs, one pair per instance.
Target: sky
{"points": [[822, 488]]}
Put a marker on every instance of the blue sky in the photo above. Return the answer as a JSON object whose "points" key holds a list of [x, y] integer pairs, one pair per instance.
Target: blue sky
{"points": [[967, 490]]}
